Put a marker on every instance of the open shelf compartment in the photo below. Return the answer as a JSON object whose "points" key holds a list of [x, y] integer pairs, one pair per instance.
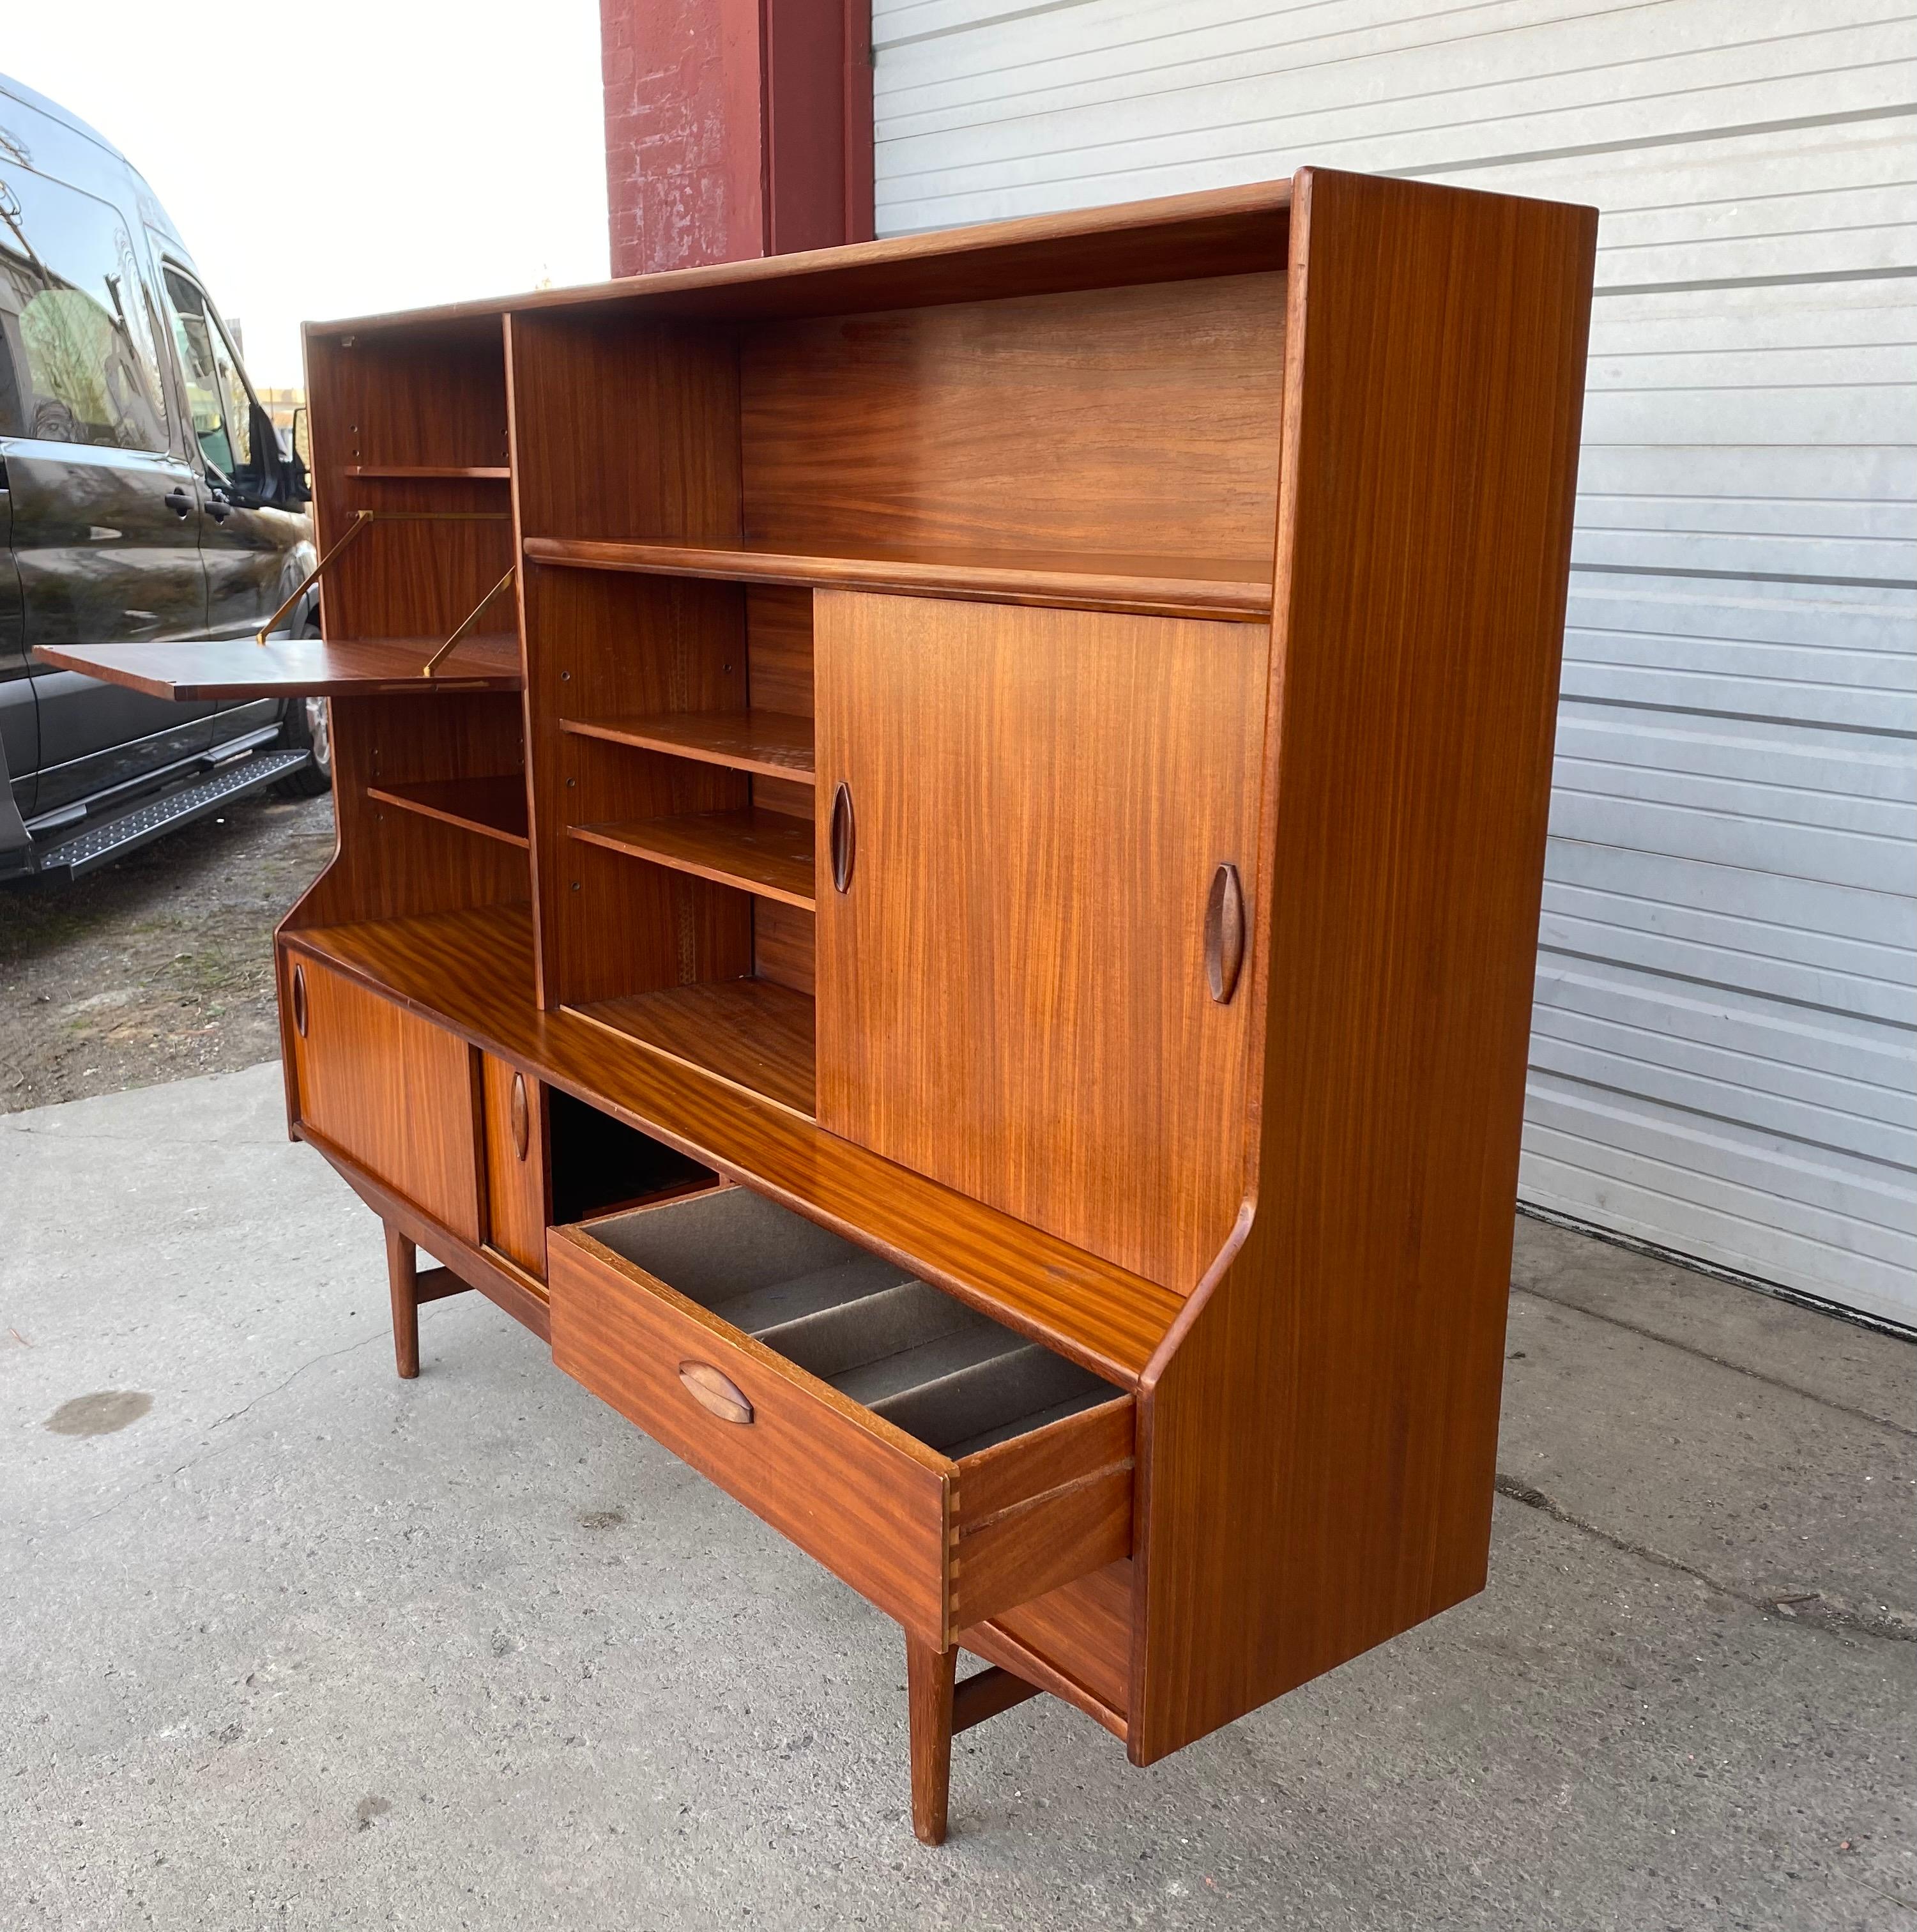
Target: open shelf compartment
{"points": [[1112, 449], [753, 1033], [772, 744], [767, 853], [493, 806]]}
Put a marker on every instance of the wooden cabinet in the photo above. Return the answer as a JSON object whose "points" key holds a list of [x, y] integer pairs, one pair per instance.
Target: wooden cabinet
{"points": [[1028, 750], [393, 1091], [1014, 996]]}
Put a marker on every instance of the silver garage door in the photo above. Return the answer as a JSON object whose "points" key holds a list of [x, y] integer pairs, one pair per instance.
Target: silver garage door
{"points": [[1724, 1051]]}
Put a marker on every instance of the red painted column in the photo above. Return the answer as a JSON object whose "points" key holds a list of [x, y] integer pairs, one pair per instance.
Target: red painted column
{"points": [[735, 128]]}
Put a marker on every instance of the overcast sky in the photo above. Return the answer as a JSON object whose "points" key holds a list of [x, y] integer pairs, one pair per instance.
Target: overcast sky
{"points": [[333, 161]]}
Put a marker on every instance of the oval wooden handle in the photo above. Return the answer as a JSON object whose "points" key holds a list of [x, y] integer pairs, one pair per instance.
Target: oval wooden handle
{"points": [[299, 1000], [844, 838], [1224, 934], [522, 1116], [714, 1392]]}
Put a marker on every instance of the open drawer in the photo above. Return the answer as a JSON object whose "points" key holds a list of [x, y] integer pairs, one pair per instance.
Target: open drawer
{"points": [[942, 1465]]}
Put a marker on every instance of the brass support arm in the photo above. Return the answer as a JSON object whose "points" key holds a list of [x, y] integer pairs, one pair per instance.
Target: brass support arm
{"points": [[472, 617], [361, 518]]}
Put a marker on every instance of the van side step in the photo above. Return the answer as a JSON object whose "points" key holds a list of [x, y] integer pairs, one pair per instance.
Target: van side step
{"points": [[114, 838]]}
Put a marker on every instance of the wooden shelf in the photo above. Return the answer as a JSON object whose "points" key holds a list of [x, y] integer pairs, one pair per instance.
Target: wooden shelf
{"points": [[494, 807], [752, 1033], [764, 853], [203, 668], [772, 743], [1236, 589], [410, 472]]}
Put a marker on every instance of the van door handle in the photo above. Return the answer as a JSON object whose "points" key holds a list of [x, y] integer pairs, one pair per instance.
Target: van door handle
{"points": [[179, 501], [218, 508]]}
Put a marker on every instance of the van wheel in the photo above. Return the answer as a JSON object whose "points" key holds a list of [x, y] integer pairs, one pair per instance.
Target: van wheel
{"points": [[308, 728]]}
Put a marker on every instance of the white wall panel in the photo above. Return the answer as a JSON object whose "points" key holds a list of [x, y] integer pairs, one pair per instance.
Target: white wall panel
{"points": [[1725, 1048]]}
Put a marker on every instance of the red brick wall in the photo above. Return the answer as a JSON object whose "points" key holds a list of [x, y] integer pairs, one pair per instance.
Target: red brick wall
{"points": [[735, 128]]}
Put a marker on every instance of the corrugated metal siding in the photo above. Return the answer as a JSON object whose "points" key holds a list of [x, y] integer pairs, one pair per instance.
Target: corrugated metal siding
{"points": [[1724, 1055]]}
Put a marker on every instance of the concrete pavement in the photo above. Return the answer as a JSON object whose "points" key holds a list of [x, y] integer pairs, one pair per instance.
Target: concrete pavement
{"points": [[289, 1643]]}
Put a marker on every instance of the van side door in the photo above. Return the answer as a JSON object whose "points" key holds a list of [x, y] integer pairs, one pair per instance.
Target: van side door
{"points": [[106, 514]]}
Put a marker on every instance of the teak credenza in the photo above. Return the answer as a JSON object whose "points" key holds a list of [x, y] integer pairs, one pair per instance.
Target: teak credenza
{"points": [[956, 928]]}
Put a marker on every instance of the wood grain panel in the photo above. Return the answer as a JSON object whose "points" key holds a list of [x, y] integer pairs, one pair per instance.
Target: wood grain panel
{"points": [[999, 1478], [754, 1032], [1318, 1435], [623, 428], [1083, 1629], [235, 668], [779, 649], [993, 1642], [1142, 420], [783, 949], [493, 807], [418, 400], [414, 472], [516, 1182], [393, 1090], [769, 743], [859, 1495], [766, 853], [1024, 1552], [472, 971], [409, 575], [790, 797], [1012, 994]]}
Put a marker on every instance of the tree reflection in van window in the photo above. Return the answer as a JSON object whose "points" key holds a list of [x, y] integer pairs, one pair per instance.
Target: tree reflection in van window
{"points": [[76, 349]]}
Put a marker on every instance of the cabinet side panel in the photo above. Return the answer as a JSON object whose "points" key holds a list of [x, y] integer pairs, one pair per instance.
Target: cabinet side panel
{"points": [[1012, 990], [1319, 1450]]}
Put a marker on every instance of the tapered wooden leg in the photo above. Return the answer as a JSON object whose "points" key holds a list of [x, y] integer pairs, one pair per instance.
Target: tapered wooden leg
{"points": [[403, 1276], [929, 1675]]}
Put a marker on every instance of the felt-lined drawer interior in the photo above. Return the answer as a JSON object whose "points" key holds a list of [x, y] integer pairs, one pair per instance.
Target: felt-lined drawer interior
{"points": [[942, 1465]]}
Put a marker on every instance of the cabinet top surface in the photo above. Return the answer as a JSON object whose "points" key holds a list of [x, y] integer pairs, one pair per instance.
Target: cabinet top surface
{"points": [[1219, 231]]}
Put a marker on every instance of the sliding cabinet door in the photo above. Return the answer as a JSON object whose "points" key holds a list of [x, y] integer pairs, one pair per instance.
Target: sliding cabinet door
{"points": [[1016, 995]]}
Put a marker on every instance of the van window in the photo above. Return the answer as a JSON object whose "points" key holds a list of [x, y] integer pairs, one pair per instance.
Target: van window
{"points": [[79, 337], [218, 400]]}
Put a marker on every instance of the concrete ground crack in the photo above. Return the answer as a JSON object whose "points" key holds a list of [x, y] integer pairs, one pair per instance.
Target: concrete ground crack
{"points": [[210, 1450], [1813, 1608], [267, 1395], [1720, 1361]]}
